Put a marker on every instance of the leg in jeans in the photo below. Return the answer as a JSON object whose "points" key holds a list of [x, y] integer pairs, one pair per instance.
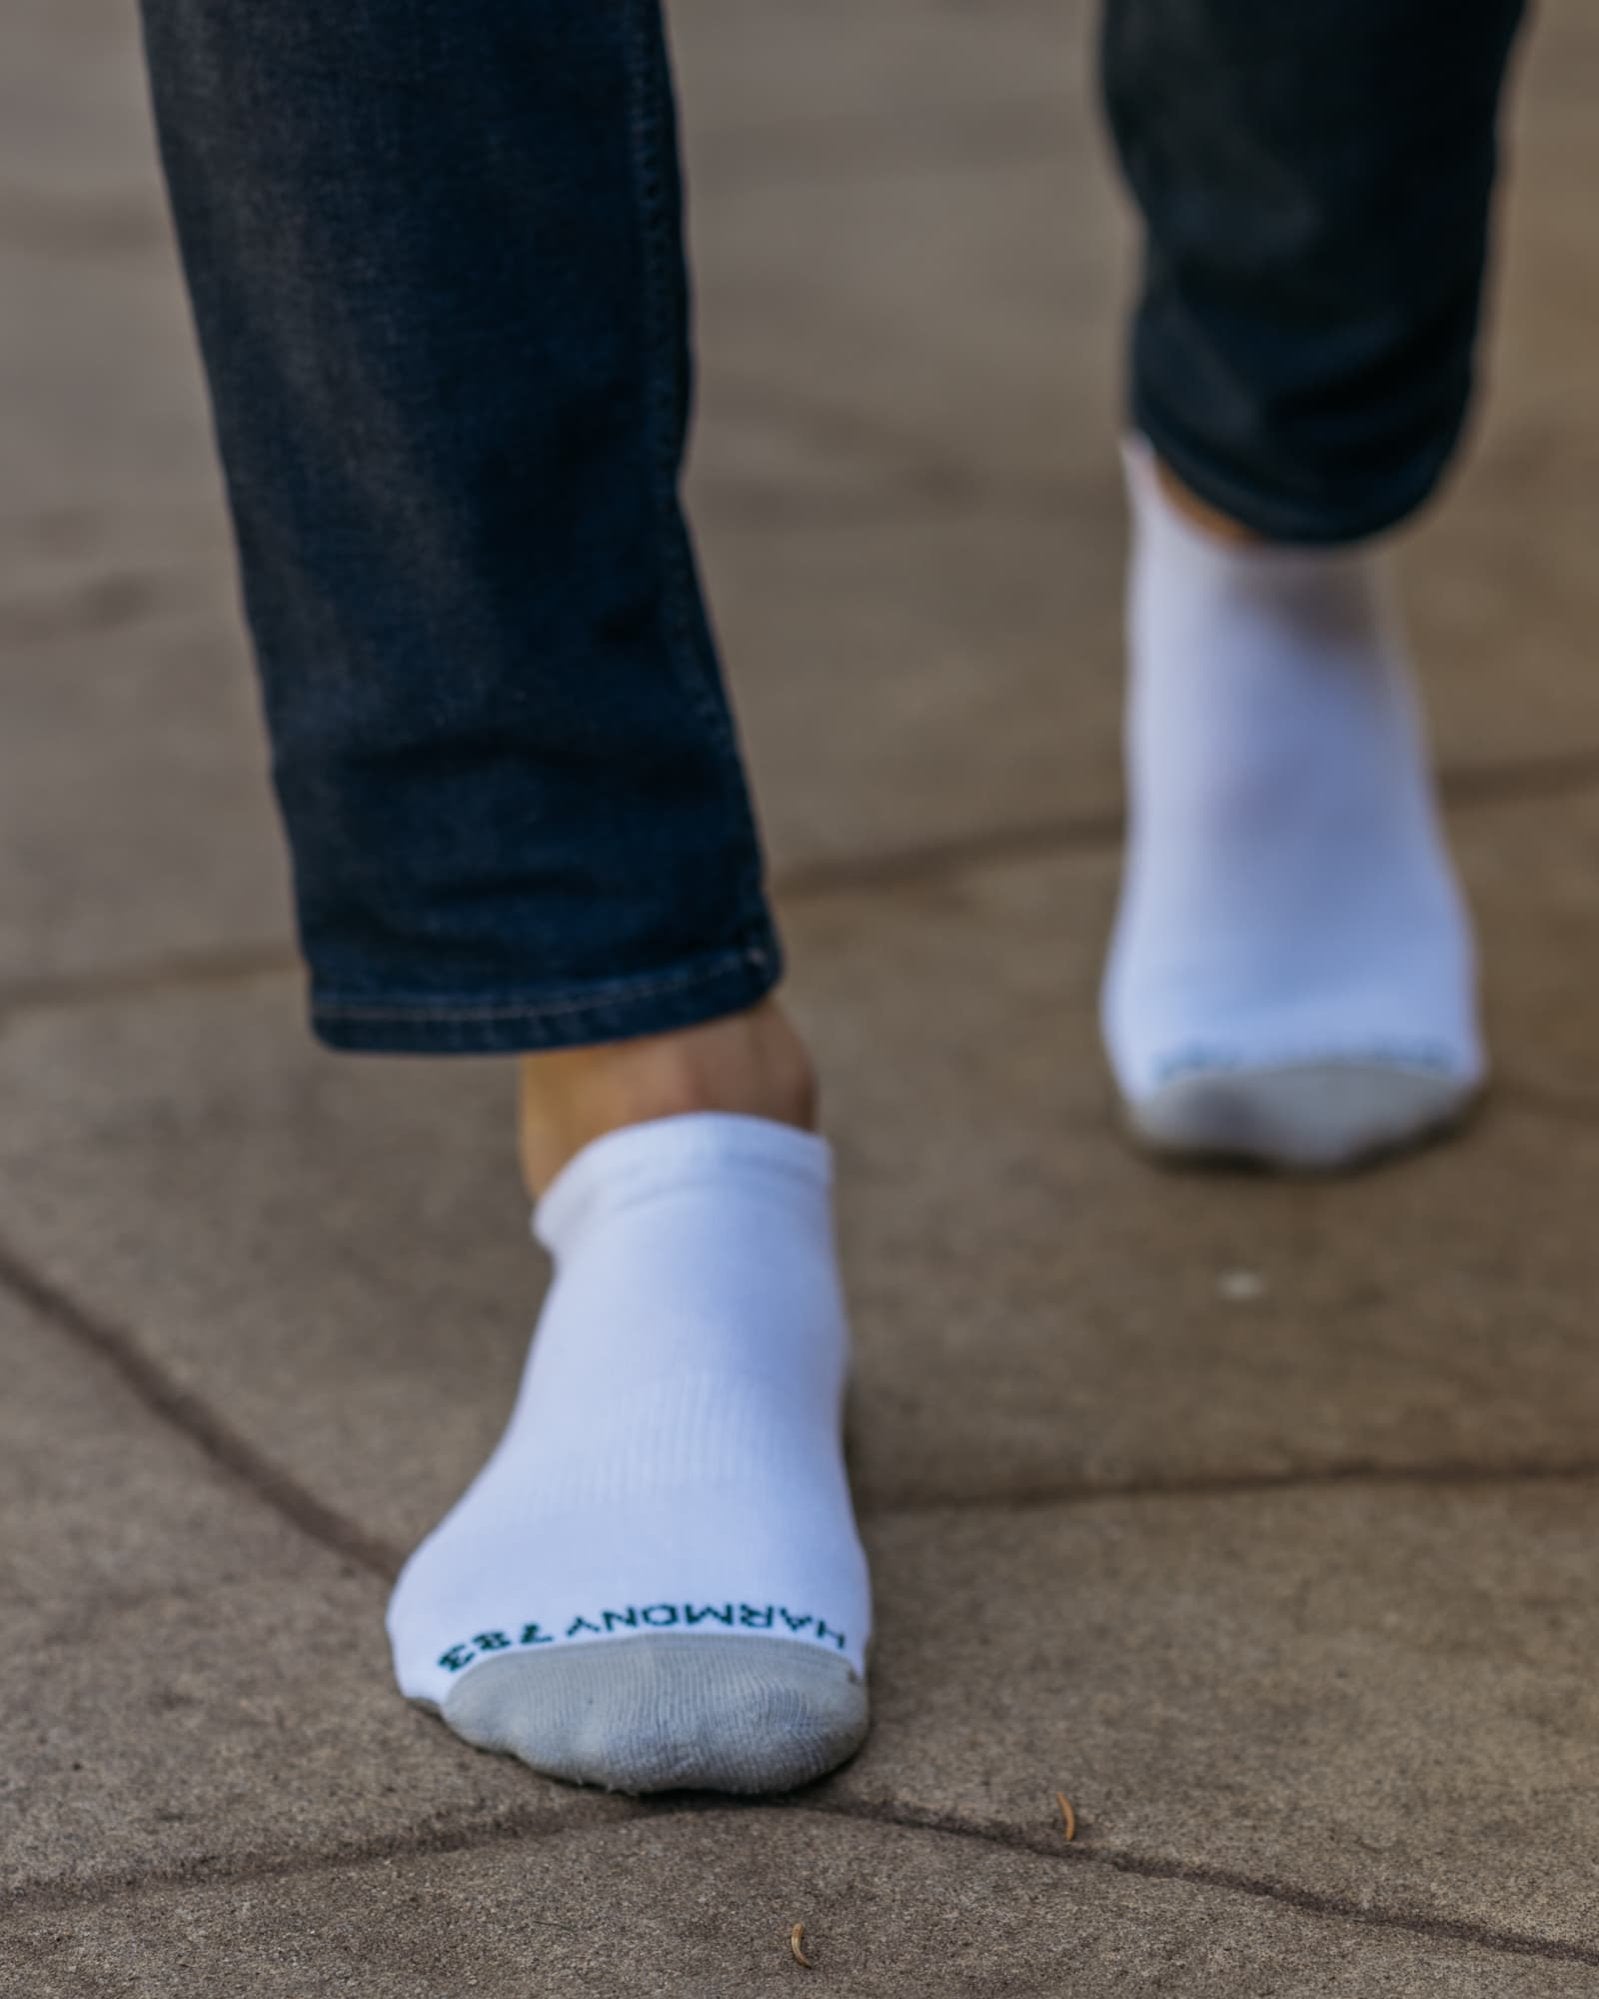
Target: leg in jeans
{"points": [[434, 255], [1292, 974]]}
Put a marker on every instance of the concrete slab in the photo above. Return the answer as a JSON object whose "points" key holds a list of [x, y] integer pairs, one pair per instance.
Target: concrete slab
{"points": [[851, 81], [1375, 1695], [187, 1682], [73, 117], [1381, 1694], [326, 1369], [108, 456], [100, 1499], [702, 1906], [906, 686], [332, 1252], [966, 305], [140, 828]]}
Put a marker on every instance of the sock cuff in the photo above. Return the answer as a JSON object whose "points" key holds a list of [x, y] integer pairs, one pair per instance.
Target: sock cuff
{"points": [[667, 1153]]}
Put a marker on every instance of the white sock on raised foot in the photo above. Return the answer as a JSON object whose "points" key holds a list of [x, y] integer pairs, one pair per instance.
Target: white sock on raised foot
{"points": [[656, 1580], [1292, 975]]}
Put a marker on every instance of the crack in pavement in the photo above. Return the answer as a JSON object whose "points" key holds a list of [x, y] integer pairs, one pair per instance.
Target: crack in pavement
{"points": [[234, 966], [269, 1483], [1465, 788], [1453, 1472], [511, 1827], [216, 1870], [1150, 1867], [1468, 789], [194, 1418], [273, 1485]]}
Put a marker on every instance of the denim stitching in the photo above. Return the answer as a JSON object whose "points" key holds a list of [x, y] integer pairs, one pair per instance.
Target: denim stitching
{"points": [[661, 377], [645, 46], [619, 994]]}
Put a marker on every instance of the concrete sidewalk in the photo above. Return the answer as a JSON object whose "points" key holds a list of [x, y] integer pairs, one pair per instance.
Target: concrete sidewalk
{"points": [[1260, 1519]]}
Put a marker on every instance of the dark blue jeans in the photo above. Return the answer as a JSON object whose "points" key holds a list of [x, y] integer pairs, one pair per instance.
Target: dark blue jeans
{"points": [[435, 257]]}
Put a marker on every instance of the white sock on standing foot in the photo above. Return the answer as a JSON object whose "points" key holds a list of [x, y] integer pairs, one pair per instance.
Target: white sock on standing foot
{"points": [[656, 1581], [1292, 976]]}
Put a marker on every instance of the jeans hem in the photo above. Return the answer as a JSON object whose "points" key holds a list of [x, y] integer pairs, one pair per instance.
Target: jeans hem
{"points": [[567, 1017], [1329, 524]]}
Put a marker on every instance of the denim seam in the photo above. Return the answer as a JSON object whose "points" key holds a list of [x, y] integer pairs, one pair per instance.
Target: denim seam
{"points": [[603, 996], [661, 393], [661, 387]]}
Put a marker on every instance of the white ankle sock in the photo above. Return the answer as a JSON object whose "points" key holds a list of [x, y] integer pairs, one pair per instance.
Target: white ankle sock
{"points": [[656, 1579], [1289, 911]]}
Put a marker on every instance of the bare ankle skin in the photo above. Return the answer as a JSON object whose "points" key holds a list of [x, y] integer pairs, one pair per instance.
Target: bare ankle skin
{"points": [[754, 1063], [1199, 511]]}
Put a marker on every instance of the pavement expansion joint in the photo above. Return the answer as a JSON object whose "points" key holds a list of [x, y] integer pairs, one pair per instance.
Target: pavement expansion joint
{"points": [[1570, 1107], [506, 1828], [510, 1828], [1246, 1483], [1526, 781], [921, 496], [1308, 1901], [1521, 780], [237, 966], [1035, 840], [273, 1486], [1025, 134], [185, 1412]]}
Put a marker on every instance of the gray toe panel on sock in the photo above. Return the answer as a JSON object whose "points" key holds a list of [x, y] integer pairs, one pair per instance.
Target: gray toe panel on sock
{"points": [[1313, 1118], [671, 1712]]}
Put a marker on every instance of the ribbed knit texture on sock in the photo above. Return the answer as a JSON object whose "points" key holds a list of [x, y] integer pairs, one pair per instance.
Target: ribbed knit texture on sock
{"points": [[672, 1471], [1288, 900]]}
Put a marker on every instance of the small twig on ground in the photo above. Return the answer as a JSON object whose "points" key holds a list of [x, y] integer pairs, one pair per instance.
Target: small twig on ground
{"points": [[796, 1943], [1068, 1818]]}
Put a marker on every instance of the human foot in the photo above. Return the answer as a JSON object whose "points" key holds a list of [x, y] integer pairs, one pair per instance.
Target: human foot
{"points": [[1291, 978], [656, 1581]]}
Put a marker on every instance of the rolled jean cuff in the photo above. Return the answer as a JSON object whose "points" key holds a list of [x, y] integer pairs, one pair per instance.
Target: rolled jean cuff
{"points": [[683, 995], [1323, 521]]}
